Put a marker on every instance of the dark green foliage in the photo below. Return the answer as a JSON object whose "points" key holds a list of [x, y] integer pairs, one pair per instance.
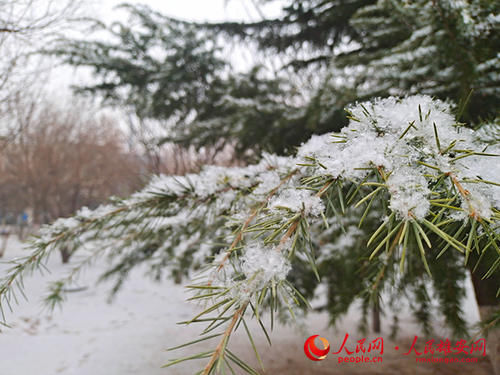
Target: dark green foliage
{"points": [[316, 25], [161, 69], [174, 72], [355, 278], [389, 47]]}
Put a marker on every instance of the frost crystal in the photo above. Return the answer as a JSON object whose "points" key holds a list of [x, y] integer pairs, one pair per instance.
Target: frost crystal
{"points": [[267, 263], [409, 193], [298, 200], [402, 138], [268, 181], [260, 265]]}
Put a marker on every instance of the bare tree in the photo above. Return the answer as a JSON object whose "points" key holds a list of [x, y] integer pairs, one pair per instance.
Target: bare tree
{"points": [[26, 27], [64, 157], [145, 137]]}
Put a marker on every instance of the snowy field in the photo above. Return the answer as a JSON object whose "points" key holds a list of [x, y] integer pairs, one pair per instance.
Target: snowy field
{"points": [[89, 336]]}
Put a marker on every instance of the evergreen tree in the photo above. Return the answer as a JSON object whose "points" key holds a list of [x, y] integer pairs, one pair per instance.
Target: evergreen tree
{"points": [[251, 233], [173, 70], [389, 47], [382, 205], [360, 50]]}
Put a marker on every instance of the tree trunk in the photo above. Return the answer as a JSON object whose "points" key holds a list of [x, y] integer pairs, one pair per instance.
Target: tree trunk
{"points": [[376, 318], [492, 339], [4, 244], [65, 254], [485, 291]]}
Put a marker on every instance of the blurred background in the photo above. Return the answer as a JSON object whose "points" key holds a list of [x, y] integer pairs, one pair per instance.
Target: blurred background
{"points": [[98, 96]]}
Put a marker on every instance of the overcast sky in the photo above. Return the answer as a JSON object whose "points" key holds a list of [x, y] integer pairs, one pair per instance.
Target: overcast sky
{"points": [[193, 10], [197, 10], [61, 78]]}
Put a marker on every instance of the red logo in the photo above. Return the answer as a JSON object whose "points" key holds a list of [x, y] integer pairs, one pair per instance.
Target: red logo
{"points": [[313, 352], [364, 351]]}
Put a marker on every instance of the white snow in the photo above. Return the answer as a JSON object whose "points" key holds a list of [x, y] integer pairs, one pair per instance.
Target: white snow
{"points": [[264, 263], [297, 200], [393, 136], [409, 193], [397, 135], [130, 335]]}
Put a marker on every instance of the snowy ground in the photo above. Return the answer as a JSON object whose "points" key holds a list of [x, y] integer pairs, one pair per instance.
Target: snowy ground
{"points": [[129, 336]]}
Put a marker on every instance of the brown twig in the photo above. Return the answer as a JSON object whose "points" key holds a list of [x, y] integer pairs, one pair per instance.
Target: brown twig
{"points": [[8, 30], [466, 195], [239, 237], [227, 333], [291, 230]]}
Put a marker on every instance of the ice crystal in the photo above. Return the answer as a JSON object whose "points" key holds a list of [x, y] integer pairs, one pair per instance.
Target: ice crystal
{"points": [[401, 136], [297, 201]]}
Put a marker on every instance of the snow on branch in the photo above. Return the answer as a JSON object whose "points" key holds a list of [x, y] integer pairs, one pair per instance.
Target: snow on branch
{"points": [[246, 228]]}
